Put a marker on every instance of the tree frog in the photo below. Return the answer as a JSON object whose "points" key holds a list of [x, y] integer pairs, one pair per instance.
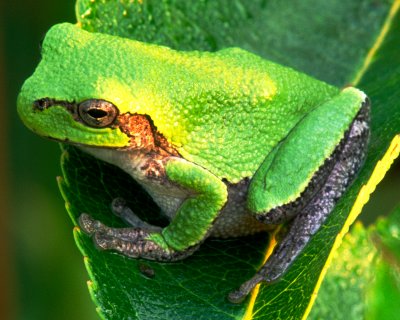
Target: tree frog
{"points": [[226, 143]]}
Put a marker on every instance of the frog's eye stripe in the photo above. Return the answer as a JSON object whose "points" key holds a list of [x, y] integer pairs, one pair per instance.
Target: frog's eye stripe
{"points": [[97, 113], [45, 103]]}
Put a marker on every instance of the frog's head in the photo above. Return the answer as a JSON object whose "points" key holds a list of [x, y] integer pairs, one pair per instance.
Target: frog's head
{"points": [[90, 89]]}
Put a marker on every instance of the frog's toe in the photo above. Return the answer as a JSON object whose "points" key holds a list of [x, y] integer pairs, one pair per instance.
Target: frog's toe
{"points": [[121, 210], [136, 247], [103, 241], [88, 224], [236, 296], [239, 295], [118, 205]]}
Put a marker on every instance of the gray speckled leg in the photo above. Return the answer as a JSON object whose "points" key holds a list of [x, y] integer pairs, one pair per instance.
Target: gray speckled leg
{"points": [[348, 158]]}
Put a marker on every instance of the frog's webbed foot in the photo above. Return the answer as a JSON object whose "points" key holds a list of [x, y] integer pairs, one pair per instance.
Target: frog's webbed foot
{"points": [[131, 242], [121, 210], [280, 260]]}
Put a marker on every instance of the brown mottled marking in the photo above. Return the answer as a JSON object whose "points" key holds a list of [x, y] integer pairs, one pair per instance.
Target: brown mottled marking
{"points": [[138, 128], [144, 135], [161, 142]]}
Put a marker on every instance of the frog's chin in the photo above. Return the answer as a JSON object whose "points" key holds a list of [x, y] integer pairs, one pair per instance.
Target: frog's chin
{"points": [[104, 153], [84, 146]]}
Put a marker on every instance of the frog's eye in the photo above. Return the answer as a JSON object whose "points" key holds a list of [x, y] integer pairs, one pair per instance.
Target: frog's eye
{"points": [[97, 113]]}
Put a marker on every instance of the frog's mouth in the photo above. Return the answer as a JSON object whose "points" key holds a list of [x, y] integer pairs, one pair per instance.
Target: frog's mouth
{"points": [[102, 114]]}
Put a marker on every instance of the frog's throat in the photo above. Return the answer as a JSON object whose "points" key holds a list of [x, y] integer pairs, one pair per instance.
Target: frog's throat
{"points": [[139, 128]]}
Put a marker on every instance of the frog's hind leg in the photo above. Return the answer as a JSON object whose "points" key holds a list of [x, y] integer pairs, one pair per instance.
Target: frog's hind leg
{"points": [[309, 212], [288, 211]]}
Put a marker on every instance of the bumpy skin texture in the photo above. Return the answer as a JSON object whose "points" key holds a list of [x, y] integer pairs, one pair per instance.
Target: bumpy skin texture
{"points": [[219, 140], [217, 99]]}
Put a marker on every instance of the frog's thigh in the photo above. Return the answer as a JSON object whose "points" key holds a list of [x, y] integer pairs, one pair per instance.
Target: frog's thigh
{"points": [[286, 171], [286, 212], [194, 218], [347, 159]]}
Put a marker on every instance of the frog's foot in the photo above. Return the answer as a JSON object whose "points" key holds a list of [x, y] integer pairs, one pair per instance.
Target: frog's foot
{"points": [[278, 263], [88, 224], [131, 242], [239, 295], [121, 210]]}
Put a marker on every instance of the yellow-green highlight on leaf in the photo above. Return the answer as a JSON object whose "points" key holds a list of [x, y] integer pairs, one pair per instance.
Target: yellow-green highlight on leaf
{"points": [[377, 175], [253, 295]]}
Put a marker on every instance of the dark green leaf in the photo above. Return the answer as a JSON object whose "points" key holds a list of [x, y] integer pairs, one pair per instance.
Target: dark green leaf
{"points": [[327, 39], [193, 288]]}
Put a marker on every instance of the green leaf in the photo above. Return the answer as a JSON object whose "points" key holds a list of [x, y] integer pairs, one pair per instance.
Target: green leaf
{"points": [[363, 280], [330, 40], [193, 288]]}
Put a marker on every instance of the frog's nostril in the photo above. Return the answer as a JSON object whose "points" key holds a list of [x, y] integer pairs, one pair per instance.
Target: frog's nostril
{"points": [[42, 104]]}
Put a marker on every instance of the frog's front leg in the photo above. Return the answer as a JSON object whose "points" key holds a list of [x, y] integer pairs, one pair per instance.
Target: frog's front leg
{"points": [[132, 242], [308, 212], [189, 227]]}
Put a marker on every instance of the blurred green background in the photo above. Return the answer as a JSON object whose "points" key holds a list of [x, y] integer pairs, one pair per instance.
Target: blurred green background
{"points": [[42, 274]]}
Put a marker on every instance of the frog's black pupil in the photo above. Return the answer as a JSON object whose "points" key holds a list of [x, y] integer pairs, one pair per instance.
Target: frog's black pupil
{"points": [[97, 113]]}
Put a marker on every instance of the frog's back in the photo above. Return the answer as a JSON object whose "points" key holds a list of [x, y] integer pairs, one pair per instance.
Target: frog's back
{"points": [[235, 107], [224, 111]]}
